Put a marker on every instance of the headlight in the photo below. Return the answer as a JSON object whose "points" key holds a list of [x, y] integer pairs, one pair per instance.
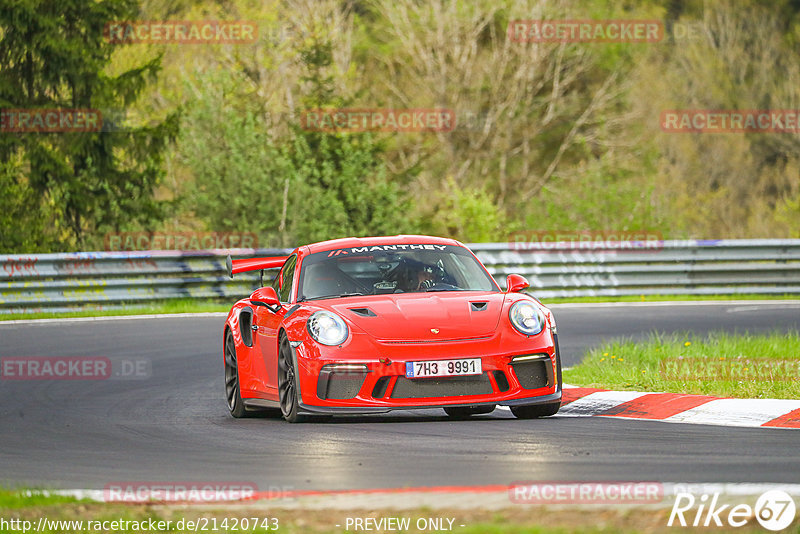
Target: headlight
{"points": [[327, 328], [526, 317]]}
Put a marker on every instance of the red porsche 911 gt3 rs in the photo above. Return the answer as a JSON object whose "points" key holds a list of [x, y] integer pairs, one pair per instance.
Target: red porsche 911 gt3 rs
{"points": [[369, 325]]}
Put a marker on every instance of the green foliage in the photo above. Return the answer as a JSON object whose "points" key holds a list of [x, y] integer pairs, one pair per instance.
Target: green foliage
{"points": [[238, 171], [549, 136], [470, 214], [340, 179], [22, 228], [605, 194], [53, 56], [727, 184], [341, 189], [301, 187]]}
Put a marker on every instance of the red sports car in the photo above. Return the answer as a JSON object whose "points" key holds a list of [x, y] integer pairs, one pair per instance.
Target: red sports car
{"points": [[356, 326]]}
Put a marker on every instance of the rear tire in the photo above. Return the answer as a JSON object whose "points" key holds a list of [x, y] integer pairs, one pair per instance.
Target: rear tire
{"points": [[465, 412], [233, 392]]}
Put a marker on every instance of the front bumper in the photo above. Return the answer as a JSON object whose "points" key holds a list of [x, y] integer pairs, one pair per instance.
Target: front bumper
{"points": [[344, 410], [380, 385]]}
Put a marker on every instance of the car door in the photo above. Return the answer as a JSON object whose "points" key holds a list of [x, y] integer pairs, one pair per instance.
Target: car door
{"points": [[269, 322]]}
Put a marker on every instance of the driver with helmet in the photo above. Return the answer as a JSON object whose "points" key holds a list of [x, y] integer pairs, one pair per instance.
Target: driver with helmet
{"points": [[418, 276]]}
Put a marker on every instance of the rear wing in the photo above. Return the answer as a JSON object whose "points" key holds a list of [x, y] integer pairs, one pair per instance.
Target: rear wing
{"points": [[253, 264]]}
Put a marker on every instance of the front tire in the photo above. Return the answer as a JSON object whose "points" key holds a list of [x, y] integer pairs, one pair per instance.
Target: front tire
{"points": [[232, 392], [536, 411], [288, 390]]}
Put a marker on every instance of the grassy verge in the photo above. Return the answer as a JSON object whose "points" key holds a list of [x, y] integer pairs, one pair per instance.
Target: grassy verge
{"points": [[223, 305], [669, 298], [516, 519], [22, 499], [720, 364], [156, 307]]}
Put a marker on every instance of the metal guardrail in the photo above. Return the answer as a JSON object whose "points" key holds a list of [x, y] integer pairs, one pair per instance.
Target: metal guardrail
{"points": [[108, 280], [692, 267], [57, 282]]}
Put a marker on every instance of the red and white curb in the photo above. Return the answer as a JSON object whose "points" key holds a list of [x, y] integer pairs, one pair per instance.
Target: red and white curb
{"points": [[680, 408]]}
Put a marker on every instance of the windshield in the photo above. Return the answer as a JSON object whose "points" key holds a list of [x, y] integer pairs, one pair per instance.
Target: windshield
{"points": [[383, 269]]}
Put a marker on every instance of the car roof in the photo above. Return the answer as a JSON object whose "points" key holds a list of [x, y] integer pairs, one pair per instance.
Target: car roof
{"points": [[349, 242]]}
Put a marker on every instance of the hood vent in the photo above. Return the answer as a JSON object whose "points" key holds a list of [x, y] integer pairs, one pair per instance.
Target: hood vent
{"points": [[363, 312], [479, 306]]}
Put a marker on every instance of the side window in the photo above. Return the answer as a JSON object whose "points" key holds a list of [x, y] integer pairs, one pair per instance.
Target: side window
{"points": [[286, 276], [276, 283]]}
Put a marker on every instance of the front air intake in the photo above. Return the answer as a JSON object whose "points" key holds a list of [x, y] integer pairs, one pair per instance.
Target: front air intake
{"points": [[457, 386], [340, 382], [534, 371]]}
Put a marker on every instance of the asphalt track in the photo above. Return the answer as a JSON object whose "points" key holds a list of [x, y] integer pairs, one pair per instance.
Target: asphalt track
{"points": [[174, 426]]}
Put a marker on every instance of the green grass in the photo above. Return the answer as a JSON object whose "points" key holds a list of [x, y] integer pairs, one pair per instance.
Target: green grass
{"points": [[33, 505], [62, 514], [156, 307], [668, 298], [19, 499], [721, 364]]}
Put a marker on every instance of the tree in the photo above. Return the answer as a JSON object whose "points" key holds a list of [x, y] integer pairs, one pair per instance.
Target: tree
{"points": [[728, 184], [255, 167], [237, 170], [53, 56], [340, 178], [530, 116]]}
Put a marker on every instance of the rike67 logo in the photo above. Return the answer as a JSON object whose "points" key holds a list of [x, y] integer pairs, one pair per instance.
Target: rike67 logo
{"points": [[774, 510]]}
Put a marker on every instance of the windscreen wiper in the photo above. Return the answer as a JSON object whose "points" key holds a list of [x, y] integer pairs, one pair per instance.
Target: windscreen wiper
{"points": [[336, 296], [432, 289]]}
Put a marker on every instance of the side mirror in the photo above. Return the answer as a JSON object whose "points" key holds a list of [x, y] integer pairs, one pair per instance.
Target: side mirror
{"points": [[515, 283], [265, 296]]}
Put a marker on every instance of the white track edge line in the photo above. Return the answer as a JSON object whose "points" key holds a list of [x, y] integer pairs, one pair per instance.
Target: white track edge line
{"points": [[561, 305], [113, 318]]}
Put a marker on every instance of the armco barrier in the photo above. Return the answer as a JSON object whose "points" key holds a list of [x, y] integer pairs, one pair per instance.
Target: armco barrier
{"points": [[56, 282], [45, 282], [691, 267]]}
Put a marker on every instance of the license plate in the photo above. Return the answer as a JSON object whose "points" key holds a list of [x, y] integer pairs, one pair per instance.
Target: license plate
{"points": [[464, 366]]}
